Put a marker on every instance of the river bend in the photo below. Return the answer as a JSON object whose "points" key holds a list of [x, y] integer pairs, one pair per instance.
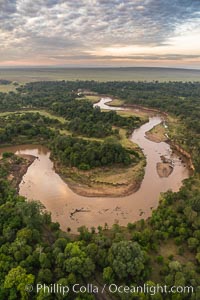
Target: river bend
{"points": [[42, 183]]}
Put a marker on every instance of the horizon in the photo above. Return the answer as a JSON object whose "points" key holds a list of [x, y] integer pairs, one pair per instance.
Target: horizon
{"points": [[100, 34], [94, 67]]}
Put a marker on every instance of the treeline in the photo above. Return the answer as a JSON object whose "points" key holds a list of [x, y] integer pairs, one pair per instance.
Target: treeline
{"points": [[163, 250], [178, 98], [31, 125], [85, 155], [70, 151], [60, 99], [94, 123], [5, 82], [91, 129], [33, 250]]}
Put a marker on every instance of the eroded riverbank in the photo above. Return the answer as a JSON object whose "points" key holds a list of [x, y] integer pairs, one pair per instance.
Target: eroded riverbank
{"points": [[115, 181], [16, 166], [41, 182]]}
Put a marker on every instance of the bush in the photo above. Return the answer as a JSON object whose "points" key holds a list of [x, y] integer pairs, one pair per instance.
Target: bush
{"points": [[7, 154]]}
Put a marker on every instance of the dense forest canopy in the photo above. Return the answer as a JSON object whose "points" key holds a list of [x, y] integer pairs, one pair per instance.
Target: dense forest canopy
{"points": [[163, 250], [60, 99], [178, 98], [89, 154], [70, 151]]}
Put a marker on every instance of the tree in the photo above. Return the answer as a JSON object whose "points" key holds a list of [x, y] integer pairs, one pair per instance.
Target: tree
{"points": [[127, 258], [44, 261], [77, 261], [18, 279], [193, 243], [108, 275], [45, 276], [198, 257]]}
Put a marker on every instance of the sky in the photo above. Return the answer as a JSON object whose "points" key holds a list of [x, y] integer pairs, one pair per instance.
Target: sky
{"points": [[100, 33]]}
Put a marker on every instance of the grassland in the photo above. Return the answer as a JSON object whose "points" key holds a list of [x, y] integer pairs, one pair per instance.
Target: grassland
{"points": [[131, 111], [157, 134], [6, 88], [144, 115], [23, 75], [115, 181], [91, 98], [116, 102], [41, 112], [108, 181], [176, 128]]}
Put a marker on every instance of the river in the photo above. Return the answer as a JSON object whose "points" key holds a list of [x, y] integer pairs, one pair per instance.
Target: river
{"points": [[42, 183]]}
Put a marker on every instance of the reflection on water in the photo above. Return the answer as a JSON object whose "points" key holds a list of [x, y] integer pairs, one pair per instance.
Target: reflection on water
{"points": [[42, 183], [102, 104]]}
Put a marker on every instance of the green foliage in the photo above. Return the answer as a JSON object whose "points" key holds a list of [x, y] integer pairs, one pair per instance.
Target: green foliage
{"points": [[7, 154], [29, 256], [127, 259], [77, 261], [29, 125], [16, 281], [85, 154], [108, 275]]}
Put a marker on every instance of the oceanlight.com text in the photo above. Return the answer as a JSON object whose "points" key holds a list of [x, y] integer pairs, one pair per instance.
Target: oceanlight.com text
{"points": [[109, 288]]}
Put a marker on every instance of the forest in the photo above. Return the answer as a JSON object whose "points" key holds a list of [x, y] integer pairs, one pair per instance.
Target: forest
{"points": [[69, 150], [164, 249], [89, 154], [82, 117]]}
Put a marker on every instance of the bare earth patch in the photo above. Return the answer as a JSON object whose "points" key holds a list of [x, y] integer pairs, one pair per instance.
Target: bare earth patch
{"points": [[17, 168], [104, 182], [6, 88], [115, 181], [164, 169], [157, 134], [116, 102]]}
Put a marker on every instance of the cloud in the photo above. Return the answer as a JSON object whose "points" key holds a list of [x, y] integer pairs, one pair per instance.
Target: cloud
{"points": [[128, 57], [48, 28]]}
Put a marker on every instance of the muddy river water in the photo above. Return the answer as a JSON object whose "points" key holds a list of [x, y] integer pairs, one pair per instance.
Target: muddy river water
{"points": [[42, 183]]}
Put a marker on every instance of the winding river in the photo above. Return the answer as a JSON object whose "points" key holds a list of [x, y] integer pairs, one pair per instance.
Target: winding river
{"points": [[42, 183]]}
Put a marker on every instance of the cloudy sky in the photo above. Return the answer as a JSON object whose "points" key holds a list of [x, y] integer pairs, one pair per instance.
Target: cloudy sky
{"points": [[100, 33]]}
